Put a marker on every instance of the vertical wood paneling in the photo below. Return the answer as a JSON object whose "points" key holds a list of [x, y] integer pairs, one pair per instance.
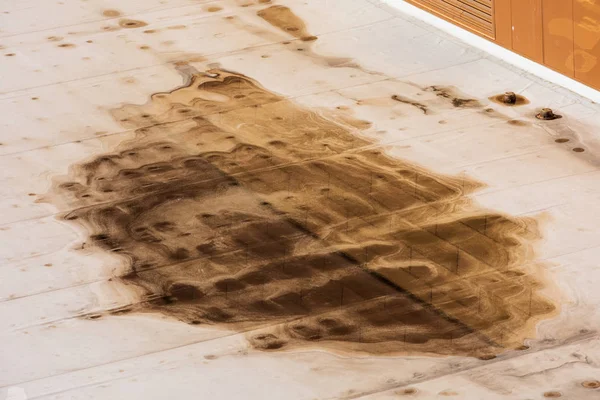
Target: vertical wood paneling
{"points": [[527, 29], [562, 34], [503, 23], [558, 35], [586, 15]]}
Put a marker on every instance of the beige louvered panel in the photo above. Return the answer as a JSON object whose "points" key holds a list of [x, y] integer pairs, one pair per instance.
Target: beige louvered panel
{"points": [[476, 15]]}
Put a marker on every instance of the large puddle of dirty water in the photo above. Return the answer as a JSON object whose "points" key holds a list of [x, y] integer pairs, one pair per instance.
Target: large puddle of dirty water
{"points": [[239, 209]]}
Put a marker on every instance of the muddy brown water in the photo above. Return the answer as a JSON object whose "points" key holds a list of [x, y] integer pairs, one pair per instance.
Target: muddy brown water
{"points": [[237, 208]]}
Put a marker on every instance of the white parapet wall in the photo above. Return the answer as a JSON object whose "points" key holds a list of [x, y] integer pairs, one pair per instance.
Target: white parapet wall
{"points": [[496, 50]]}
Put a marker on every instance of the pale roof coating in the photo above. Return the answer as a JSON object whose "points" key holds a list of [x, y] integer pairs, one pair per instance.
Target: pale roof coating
{"points": [[75, 103]]}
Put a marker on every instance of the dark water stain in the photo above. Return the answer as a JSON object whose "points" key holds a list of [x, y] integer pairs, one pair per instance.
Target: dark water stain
{"points": [[591, 384], [131, 23], [111, 13], [286, 21], [515, 101], [283, 18], [407, 392], [237, 208], [450, 94], [464, 103], [177, 27], [553, 394], [518, 122], [449, 393], [413, 103]]}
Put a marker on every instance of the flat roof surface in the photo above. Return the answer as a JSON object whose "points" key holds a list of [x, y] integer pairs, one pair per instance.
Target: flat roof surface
{"points": [[287, 199]]}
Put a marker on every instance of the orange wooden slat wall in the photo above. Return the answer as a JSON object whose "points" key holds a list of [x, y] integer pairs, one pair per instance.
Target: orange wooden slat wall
{"points": [[503, 22], [586, 14], [558, 35], [527, 29], [563, 35]]}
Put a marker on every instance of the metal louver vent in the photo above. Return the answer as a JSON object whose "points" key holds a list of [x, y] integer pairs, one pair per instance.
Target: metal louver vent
{"points": [[476, 15]]}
